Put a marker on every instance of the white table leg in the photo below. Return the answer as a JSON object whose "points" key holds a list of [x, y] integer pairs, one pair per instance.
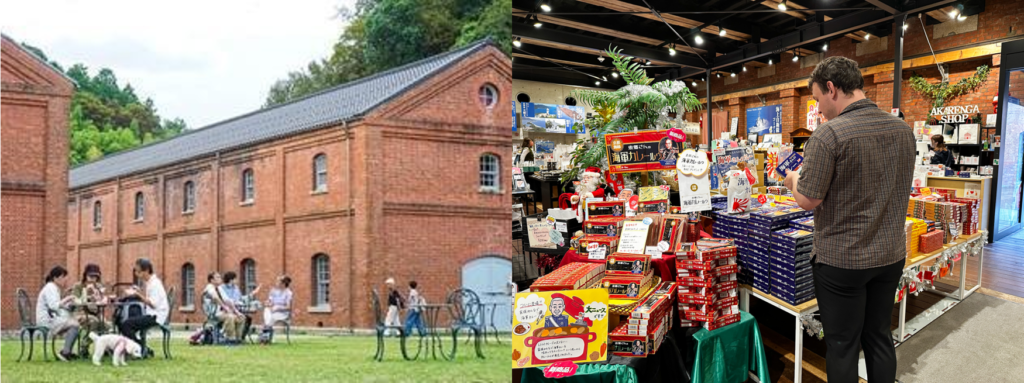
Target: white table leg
{"points": [[745, 300], [799, 352], [903, 317], [963, 277]]}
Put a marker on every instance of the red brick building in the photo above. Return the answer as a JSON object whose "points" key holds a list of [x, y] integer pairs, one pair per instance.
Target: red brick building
{"points": [[394, 175], [35, 99]]}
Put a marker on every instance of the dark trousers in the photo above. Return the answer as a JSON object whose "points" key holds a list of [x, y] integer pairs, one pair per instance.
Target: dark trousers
{"points": [[132, 326], [856, 312]]}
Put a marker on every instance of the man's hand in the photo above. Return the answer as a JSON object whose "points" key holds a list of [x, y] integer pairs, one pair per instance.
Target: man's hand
{"points": [[790, 181]]}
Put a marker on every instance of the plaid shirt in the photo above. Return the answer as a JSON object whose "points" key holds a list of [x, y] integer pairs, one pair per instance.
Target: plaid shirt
{"points": [[861, 164]]}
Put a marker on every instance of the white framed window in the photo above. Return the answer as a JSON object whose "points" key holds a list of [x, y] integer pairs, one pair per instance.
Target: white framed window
{"points": [[488, 95], [97, 215], [320, 172], [490, 173], [321, 280], [248, 276], [248, 185], [188, 285], [140, 206], [188, 203]]}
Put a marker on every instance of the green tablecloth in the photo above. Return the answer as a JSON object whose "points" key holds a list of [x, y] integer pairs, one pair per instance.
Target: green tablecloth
{"points": [[726, 354], [587, 373]]}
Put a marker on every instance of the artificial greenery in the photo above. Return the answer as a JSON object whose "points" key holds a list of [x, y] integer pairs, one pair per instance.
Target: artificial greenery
{"points": [[943, 91], [638, 105]]}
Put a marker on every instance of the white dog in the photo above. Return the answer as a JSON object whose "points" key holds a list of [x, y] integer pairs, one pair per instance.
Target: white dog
{"points": [[118, 345]]}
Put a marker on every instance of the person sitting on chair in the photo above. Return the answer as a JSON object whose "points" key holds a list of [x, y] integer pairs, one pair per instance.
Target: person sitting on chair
{"points": [[233, 296], [216, 306], [51, 311], [153, 296], [279, 306], [90, 294]]}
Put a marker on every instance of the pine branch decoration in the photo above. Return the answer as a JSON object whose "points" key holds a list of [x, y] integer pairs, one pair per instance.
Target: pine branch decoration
{"points": [[943, 91]]}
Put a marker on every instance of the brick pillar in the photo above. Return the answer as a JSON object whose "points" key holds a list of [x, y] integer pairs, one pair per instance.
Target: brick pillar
{"points": [[883, 90], [791, 118]]}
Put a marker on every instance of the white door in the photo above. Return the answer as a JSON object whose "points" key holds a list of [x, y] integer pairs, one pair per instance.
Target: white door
{"points": [[489, 277]]}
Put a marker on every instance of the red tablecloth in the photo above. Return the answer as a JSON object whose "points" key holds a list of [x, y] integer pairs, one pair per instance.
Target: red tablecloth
{"points": [[664, 267]]}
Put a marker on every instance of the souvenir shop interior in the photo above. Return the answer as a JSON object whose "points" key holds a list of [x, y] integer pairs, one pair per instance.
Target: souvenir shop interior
{"points": [[654, 238]]}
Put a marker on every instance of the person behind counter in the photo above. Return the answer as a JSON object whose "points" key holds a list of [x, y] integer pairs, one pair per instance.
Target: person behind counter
{"points": [[942, 155], [525, 153]]}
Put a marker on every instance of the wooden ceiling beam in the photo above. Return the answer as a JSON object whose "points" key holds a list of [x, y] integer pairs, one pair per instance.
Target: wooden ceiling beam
{"points": [[606, 31], [680, 21]]}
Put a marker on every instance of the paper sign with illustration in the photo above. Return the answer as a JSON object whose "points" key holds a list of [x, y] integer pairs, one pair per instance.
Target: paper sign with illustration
{"points": [[539, 234], [653, 193], [559, 326], [634, 237]]}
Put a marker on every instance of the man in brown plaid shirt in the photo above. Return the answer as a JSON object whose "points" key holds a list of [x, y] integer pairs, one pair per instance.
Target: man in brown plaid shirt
{"points": [[857, 175]]}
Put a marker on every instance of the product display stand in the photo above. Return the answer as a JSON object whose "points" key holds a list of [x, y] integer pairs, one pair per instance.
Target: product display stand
{"points": [[797, 311]]}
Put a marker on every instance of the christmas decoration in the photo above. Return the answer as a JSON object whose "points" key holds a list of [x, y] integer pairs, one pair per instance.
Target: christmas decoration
{"points": [[943, 91]]}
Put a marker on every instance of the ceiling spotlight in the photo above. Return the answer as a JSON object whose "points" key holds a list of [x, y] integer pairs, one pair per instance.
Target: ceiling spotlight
{"points": [[604, 78], [517, 43], [721, 31], [545, 8], [600, 59], [694, 83], [782, 6], [867, 36], [732, 74], [718, 75], [795, 57], [744, 68], [598, 83], [769, 61], [648, 62], [537, 24], [905, 26], [824, 48], [672, 50], [961, 18], [699, 40], [615, 74], [703, 79], [954, 13]]}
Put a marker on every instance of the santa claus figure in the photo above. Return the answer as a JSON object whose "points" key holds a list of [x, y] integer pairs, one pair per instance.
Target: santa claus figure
{"points": [[589, 187]]}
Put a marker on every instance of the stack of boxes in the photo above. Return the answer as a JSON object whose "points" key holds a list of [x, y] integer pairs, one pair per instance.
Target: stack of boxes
{"points": [[573, 276], [643, 331], [707, 288], [970, 218], [917, 228], [792, 280], [603, 226], [931, 241], [948, 216]]}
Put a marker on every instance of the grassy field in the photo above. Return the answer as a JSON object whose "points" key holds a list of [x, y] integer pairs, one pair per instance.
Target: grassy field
{"points": [[307, 359]]}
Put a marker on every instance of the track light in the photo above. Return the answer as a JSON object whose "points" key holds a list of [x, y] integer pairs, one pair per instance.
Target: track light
{"points": [[672, 50], [795, 57], [600, 59], [744, 68], [718, 75], [545, 8], [615, 74], [782, 6], [867, 36], [732, 74], [648, 62], [598, 83], [769, 61], [699, 40], [905, 26], [721, 31], [824, 48], [537, 24], [517, 43], [604, 78], [961, 18], [702, 79], [694, 83]]}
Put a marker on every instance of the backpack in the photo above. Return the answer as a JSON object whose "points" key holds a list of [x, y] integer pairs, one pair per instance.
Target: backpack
{"points": [[130, 307]]}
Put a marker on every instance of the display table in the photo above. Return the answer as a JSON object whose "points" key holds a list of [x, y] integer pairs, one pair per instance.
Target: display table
{"points": [[961, 184], [664, 267], [586, 373], [730, 354], [797, 311]]}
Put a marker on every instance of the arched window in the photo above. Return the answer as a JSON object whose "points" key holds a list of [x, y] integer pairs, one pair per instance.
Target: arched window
{"points": [[489, 172], [488, 95], [97, 215], [320, 172], [188, 284], [248, 281], [140, 206], [189, 194], [248, 186], [321, 280]]}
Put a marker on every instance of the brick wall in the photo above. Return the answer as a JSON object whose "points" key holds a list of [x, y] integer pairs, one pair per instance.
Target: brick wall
{"points": [[402, 201]]}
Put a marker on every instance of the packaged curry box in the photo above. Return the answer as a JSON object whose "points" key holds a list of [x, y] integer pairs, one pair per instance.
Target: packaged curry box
{"points": [[573, 276], [722, 322], [627, 264], [658, 206], [658, 336], [805, 223], [606, 226], [666, 288], [672, 229], [610, 244], [621, 343], [626, 286], [598, 209]]}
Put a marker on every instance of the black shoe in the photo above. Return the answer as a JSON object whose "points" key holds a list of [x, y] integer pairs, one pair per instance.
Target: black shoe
{"points": [[64, 356]]}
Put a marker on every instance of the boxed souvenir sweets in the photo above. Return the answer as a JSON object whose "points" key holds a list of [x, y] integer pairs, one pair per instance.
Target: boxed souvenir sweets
{"points": [[606, 226], [722, 322], [626, 286], [805, 223], [659, 206], [791, 238], [627, 264], [931, 241], [708, 280], [658, 336], [573, 276], [666, 288], [621, 343], [610, 244], [596, 209], [672, 227]]}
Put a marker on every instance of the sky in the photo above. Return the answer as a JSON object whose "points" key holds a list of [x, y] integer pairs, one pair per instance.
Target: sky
{"points": [[203, 61]]}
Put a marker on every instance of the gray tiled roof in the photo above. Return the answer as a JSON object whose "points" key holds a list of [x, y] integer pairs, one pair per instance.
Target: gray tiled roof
{"points": [[341, 103]]}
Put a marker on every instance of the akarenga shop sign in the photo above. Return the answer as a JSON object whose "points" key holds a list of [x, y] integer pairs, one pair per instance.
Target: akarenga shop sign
{"points": [[955, 114]]}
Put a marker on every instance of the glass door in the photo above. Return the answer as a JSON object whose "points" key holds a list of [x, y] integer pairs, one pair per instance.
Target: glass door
{"points": [[1008, 181]]}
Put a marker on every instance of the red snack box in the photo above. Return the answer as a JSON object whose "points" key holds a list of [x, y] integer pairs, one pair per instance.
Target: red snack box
{"points": [[693, 264], [657, 336], [714, 253], [621, 343], [722, 322], [724, 287], [671, 229], [606, 209], [625, 286], [931, 241], [573, 276], [666, 288], [627, 264], [606, 226], [610, 244], [651, 307], [724, 270], [659, 206]]}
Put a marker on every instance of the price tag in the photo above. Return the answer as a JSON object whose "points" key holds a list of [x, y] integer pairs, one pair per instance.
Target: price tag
{"points": [[597, 254], [653, 251], [562, 227], [634, 202], [592, 247]]}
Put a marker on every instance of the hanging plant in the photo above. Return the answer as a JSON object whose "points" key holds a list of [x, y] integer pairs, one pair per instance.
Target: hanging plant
{"points": [[943, 91]]}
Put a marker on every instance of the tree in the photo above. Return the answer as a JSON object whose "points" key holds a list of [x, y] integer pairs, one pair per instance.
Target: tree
{"points": [[493, 22]]}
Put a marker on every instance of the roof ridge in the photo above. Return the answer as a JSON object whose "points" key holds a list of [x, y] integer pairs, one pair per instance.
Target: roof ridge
{"points": [[469, 47]]}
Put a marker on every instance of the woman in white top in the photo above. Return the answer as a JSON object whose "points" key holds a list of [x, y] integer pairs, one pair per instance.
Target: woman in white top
{"points": [[279, 304], [52, 313]]}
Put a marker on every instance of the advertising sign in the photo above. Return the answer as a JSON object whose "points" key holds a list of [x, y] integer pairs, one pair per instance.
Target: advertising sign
{"points": [[560, 326], [764, 120], [649, 150], [553, 118]]}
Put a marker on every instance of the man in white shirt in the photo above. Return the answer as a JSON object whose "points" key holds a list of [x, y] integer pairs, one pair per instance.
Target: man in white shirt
{"points": [[51, 310], [154, 299]]}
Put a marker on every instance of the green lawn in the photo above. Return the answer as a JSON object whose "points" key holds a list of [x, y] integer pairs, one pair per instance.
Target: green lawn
{"points": [[307, 359]]}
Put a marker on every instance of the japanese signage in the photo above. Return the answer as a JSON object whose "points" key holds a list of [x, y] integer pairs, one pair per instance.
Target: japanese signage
{"points": [[734, 156], [812, 115], [559, 326], [764, 120], [791, 163], [693, 163], [694, 182], [644, 151], [955, 114], [553, 118]]}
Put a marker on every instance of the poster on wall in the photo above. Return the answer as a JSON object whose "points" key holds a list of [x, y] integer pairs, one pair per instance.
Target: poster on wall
{"points": [[649, 150], [514, 126], [812, 115], [560, 326], [553, 118], [764, 120]]}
